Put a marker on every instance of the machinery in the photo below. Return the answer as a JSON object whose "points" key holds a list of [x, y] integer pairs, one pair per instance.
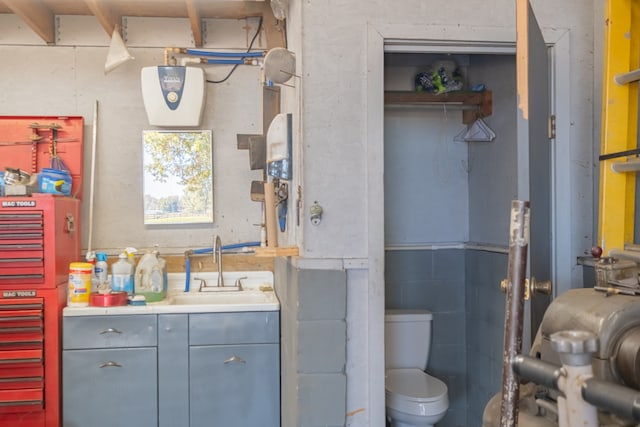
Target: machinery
{"points": [[584, 365], [614, 356]]}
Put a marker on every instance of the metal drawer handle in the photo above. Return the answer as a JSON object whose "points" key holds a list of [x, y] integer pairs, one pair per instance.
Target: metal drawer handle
{"points": [[110, 364], [110, 331], [234, 359]]}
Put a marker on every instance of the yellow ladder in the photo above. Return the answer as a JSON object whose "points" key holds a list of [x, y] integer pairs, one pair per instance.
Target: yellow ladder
{"points": [[619, 143]]}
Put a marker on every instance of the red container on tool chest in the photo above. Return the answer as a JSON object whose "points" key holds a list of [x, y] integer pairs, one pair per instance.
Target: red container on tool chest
{"points": [[39, 237]]}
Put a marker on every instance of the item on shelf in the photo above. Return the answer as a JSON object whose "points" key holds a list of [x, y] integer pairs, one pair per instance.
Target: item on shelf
{"points": [[441, 77], [54, 181]]}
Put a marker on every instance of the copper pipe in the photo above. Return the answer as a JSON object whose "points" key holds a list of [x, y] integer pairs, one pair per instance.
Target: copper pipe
{"points": [[514, 310]]}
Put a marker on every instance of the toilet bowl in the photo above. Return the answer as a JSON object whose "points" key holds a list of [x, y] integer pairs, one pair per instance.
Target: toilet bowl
{"points": [[414, 398]]}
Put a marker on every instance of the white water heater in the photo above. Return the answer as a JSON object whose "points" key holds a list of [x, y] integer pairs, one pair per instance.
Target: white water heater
{"points": [[173, 95]]}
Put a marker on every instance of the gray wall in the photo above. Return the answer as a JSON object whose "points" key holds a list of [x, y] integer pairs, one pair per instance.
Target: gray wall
{"points": [[313, 353], [461, 287], [434, 280], [492, 166], [485, 325]]}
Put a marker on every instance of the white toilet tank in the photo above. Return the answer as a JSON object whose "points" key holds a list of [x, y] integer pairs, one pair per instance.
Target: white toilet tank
{"points": [[407, 338]]}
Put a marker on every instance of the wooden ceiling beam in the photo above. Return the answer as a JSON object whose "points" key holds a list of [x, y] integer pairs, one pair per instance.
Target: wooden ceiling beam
{"points": [[196, 22], [37, 16], [273, 28], [105, 15]]}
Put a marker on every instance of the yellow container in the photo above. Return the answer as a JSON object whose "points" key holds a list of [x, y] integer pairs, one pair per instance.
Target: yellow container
{"points": [[79, 284]]}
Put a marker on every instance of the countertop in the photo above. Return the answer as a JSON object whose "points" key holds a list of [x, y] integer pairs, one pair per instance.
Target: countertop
{"points": [[253, 282]]}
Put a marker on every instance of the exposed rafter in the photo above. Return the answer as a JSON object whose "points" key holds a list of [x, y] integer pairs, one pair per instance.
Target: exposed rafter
{"points": [[195, 19], [37, 16], [105, 14]]}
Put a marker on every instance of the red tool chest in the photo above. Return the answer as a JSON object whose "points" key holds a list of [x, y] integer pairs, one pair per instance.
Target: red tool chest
{"points": [[39, 237]]}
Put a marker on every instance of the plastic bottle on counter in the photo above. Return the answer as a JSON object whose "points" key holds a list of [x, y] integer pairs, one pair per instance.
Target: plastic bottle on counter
{"points": [[90, 258], [122, 275], [101, 267], [150, 277], [131, 256]]}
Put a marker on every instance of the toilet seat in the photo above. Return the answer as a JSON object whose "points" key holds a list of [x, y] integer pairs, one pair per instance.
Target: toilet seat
{"points": [[415, 392]]}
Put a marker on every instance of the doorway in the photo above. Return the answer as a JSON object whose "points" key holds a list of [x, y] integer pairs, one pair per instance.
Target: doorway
{"points": [[381, 42], [447, 202]]}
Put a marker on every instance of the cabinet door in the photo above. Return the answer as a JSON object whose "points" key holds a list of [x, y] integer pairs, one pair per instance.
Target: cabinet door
{"points": [[110, 387], [234, 385]]}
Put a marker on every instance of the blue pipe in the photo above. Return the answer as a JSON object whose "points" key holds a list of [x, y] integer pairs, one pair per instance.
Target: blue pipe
{"points": [[187, 266], [225, 54], [225, 61]]}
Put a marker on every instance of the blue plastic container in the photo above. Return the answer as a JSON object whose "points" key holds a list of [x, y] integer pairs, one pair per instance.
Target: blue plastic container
{"points": [[54, 181]]}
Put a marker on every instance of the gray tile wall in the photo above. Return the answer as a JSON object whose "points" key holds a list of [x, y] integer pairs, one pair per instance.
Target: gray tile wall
{"points": [[313, 345], [435, 280], [462, 289], [485, 326]]}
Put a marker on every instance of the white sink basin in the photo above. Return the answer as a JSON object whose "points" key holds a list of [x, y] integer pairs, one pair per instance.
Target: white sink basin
{"points": [[224, 298], [257, 293]]}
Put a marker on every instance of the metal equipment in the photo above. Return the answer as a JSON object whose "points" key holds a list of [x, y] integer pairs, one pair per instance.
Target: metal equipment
{"points": [[614, 323]]}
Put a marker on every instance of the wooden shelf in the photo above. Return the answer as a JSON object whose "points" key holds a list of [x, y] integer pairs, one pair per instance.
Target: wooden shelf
{"points": [[483, 101]]}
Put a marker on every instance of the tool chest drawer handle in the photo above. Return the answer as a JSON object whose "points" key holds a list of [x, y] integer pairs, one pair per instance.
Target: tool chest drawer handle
{"points": [[110, 331], [110, 364]]}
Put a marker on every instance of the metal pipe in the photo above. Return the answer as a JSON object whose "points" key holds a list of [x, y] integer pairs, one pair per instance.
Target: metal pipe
{"points": [[514, 310], [536, 370], [617, 399]]}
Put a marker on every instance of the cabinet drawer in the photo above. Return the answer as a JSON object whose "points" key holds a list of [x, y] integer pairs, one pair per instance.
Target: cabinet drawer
{"points": [[110, 387], [81, 332], [234, 328]]}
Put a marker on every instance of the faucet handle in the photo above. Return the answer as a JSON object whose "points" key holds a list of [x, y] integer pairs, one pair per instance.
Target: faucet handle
{"points": [[203, 283], [238, 283]]}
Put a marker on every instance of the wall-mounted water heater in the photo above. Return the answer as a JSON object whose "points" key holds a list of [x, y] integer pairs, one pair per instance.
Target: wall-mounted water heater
{"points": [[173, 95]]}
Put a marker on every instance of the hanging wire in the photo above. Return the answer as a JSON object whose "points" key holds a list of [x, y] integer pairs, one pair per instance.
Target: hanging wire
{"points": [[248, 50]]}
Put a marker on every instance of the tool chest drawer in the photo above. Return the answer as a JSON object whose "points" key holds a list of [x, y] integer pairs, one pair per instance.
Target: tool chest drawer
{"points": [[84, 332]]}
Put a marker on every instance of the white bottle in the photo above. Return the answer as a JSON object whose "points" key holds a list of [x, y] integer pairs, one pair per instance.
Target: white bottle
{"points": [[122, 275], [101, 267]]}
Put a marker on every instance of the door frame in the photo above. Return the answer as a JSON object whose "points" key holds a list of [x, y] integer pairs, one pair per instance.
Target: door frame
{"points": [[460, 40]]}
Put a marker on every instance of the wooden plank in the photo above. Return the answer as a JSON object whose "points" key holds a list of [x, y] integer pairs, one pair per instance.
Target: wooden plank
{"points": [[243, 140], [105, 15], [277, 251], [196, 22], [461, 97], [204, 262], [36, 15], [273, 28], [270, 106]]}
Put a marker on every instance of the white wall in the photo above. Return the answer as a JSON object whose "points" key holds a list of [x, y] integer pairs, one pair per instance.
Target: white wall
{"points": [[341, 111], [67, 80], [335, 43]]}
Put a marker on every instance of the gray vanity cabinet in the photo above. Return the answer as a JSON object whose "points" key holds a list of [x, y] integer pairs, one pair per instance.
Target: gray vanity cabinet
{"points": [[109, 366], [172, 370], [234, 369]]}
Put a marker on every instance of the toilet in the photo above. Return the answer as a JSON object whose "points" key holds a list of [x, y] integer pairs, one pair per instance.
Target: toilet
{"points": [[413, 397]]}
